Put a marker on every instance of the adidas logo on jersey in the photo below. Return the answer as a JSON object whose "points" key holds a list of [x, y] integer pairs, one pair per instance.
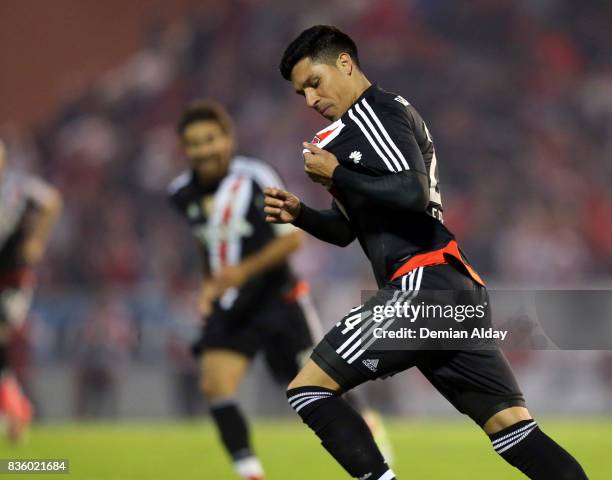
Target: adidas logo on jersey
{"points": [[371, 364], [355, 156]]}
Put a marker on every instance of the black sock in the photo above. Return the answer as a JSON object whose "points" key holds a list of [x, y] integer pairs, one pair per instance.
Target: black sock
{"points": [[342, 431], [3, 358], [356, 400], [232, 428], [534, 453]]}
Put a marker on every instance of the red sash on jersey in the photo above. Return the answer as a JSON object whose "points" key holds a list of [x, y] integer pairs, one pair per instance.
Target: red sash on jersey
{"points": [[437, 257]]}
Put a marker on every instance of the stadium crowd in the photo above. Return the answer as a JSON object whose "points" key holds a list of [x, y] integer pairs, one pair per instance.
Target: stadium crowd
{"points": [[517, 95]]}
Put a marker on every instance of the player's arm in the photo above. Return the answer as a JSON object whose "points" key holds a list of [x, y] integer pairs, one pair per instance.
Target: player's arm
{"points": [[209, 290], [274, 253], [404, 190], [402, 183], [330, 226], [44, 212], [408, 191]]}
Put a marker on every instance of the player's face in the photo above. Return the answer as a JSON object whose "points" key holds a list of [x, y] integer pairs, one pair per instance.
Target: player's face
{"points": [[329, 89], [209, 149]]}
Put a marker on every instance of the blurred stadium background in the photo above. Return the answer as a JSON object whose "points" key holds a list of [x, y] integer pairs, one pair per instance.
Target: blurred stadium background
{"points": [[517, 94]]}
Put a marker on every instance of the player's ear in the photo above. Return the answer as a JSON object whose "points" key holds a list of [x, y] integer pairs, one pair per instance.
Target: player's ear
{"points": [[344, 63]]}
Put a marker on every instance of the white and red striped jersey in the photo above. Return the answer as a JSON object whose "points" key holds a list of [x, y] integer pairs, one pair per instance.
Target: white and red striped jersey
{"points": [[228, 221]]}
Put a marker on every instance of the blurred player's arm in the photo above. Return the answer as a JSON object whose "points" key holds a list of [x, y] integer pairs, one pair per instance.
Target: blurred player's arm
{"points": [[330, 226], [274, 253], [43, 214], [208, 290]]}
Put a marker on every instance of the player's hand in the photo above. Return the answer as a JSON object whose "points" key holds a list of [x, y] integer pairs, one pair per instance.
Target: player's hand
{"points": [[319, 164], [32, 251], [230, 277], [208, 294], [281, 206]]}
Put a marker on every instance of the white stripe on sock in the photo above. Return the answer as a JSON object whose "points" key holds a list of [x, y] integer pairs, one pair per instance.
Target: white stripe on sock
{"points": [[299, 395], [498, 441], [518, 440], [296, 403], [307, 403], [511, 439]]}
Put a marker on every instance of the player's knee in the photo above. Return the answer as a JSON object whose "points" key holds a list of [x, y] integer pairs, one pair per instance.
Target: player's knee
{"points": [[300, 382], [208, 388], [297, 382], [212, 387], [312, 375], [505, 419]]}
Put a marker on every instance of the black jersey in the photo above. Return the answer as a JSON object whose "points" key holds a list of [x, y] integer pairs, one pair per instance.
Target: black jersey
{"points": [[228, 220], [382, 134]]}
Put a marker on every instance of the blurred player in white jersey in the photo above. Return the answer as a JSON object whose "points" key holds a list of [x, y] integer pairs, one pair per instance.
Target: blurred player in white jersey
{"points": [[29, 207]]}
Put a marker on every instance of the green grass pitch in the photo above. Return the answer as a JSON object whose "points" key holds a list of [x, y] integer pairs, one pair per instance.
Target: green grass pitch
{"points": [[190, 451]]}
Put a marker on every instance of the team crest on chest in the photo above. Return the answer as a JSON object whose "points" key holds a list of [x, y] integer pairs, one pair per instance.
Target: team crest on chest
{"points": [[326, 135]]}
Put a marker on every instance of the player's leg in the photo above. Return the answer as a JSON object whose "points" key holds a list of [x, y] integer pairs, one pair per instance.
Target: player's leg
{"points": [[518, 439], [301, 329], [3, 345], [289, 337], [355, 398], [316, 397], [15, 408], [480, 383], [221, 374], [374, 420], [344, 359]]}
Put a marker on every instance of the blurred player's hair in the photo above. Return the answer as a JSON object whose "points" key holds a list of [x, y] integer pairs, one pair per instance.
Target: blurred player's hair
{"points": [[321, 43], [205, 111]]}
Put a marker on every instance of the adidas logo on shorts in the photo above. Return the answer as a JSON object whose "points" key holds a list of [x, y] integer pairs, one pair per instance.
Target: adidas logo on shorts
{"points": [[371, 364]]}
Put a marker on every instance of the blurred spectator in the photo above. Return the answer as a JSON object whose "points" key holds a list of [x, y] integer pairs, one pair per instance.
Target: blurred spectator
{"points": [[104, 344]]}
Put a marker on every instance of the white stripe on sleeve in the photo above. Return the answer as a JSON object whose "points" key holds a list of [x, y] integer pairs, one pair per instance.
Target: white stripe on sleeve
{"points": [[386, 134], [369, 138], [380, 141]]}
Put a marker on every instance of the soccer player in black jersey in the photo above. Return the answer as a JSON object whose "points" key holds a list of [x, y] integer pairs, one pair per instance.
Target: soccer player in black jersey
{"points": [[29, 208], [250, 299], [378, 161]]}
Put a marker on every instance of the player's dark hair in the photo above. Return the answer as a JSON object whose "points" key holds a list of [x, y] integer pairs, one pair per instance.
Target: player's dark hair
{"points": [[205, 111], [321, 43]]}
